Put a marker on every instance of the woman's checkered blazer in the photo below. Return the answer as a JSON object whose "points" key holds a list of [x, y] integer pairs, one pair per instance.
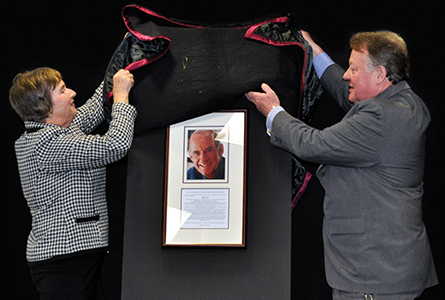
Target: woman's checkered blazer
{"points": [[62, 172]]}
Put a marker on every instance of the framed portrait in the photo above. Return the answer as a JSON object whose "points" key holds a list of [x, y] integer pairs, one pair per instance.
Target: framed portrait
{"points": [[205, 193]]}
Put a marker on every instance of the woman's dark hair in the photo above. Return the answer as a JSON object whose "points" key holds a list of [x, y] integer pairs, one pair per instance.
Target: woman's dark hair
{"points": [[30, 94]]}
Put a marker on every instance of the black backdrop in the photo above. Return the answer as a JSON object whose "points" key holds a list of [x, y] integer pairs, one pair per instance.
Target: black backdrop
{"points": [[79, 37]]}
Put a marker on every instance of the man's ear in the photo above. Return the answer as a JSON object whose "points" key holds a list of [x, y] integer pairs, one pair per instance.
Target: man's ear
{"points": [[381, 74], [190, 156], [221, 149]]}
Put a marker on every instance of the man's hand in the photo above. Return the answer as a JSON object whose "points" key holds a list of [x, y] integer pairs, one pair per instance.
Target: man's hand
{"points": [[122, 83], [264, 102], [315, 48]]}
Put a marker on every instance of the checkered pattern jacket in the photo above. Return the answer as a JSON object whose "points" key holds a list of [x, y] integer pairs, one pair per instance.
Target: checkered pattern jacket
{"points": [[62, 172]]}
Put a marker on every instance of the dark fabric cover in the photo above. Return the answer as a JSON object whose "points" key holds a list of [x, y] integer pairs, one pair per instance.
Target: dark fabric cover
{"points": [[184, 70]]}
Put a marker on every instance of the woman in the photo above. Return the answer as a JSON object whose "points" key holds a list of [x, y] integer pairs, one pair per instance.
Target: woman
{"points": [[62, 172]]}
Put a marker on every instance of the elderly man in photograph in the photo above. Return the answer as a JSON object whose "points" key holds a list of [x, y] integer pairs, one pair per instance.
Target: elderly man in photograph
{"points": [[206, 153]]}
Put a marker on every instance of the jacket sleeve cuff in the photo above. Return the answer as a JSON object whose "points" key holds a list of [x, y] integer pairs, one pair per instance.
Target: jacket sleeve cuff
{"points": [[271, 116]]}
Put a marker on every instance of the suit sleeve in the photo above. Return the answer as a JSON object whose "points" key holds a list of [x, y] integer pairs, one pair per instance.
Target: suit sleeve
{"points": [[349, 143], [333, 83], [77, 150]]}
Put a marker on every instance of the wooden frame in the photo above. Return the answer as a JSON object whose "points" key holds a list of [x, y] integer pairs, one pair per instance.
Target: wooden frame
{"points": [[209, 209]]}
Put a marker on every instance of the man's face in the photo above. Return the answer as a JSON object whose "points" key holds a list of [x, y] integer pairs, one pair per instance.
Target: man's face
{"points": [[204, 153], [362, 79], [64, 110]]}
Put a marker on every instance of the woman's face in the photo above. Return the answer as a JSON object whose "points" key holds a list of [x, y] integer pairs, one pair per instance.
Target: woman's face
{"points": [[64, 110]]}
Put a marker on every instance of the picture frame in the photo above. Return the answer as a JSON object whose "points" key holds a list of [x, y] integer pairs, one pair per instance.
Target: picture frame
{"points": [[204, 189]]}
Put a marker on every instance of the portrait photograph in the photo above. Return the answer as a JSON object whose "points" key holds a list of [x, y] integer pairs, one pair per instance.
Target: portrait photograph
{"points": [[205, 153]]}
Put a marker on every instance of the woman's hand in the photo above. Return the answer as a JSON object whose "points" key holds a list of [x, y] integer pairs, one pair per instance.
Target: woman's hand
{"points": [[122, 83]]}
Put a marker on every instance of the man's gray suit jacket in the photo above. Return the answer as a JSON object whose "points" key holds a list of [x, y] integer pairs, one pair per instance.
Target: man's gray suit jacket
{"points": [[372, 170]]}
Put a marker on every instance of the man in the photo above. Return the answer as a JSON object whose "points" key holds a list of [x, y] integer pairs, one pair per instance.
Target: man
{"points": [[62, 172], [376, 246], [206, 152]]}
